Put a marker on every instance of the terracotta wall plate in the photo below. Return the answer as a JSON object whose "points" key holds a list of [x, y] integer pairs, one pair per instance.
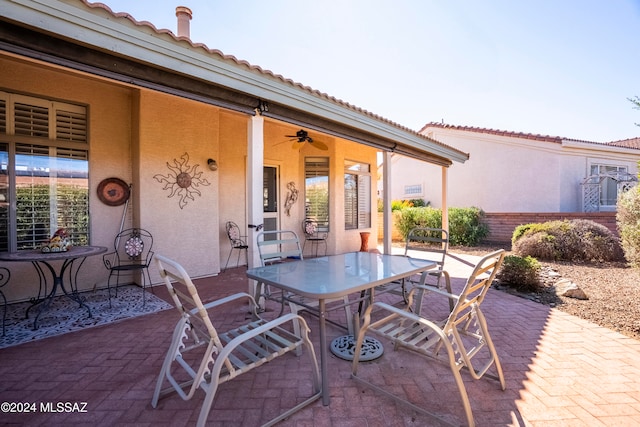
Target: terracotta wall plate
{"points": [[113, 191]]}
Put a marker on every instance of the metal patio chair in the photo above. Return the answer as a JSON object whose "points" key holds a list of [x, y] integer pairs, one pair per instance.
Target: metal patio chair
{"points": [[280, 246], [209, 358], [424, 243], [454, 340], [132, 254], [237, 241], [314, 236]]}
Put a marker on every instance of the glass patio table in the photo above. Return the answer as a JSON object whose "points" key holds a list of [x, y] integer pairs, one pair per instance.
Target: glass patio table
{"points": [[335, 276], [42, 262]]}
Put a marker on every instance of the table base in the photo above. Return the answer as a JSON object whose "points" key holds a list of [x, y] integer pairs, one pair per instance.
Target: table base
{"points": [[344, 348]]}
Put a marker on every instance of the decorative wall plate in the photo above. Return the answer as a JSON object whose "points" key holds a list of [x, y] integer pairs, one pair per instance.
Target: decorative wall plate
{"points": [[113, 191]]}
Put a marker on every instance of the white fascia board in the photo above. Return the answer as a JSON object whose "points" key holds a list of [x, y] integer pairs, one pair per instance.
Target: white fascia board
{"points": [[98, 28]]}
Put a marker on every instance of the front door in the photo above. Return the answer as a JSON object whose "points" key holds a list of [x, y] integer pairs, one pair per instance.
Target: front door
{"points": [[270, 198]]}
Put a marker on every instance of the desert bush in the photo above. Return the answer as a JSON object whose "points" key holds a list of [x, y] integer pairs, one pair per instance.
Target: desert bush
{"points": [[410, 218], [465, 227], [397, 205], [628, 220], [520, 273], [575, 240]]}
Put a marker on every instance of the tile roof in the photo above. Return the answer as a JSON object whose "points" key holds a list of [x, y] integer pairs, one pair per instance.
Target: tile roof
{"points": [[626, 143], [633, 143], [498, 132], [258, 69]]}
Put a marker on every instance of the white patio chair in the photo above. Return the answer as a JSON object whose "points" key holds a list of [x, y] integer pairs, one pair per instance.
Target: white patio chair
{"points": [[423, 243], [454, 340], [280, 246], [221, 357]]}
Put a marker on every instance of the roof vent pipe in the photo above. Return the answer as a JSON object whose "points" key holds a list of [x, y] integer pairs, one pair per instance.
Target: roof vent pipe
{"points": [[184, 16]]}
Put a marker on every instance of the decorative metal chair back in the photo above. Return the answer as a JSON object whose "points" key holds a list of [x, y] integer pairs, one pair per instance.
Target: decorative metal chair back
{"points": [[133, 252], [233, 232], [227, 354], [238, 242], [455, 341], [314, 235]]}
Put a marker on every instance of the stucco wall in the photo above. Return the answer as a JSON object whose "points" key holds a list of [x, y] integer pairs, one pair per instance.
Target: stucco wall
{"points": [[109, 143], [134, 133], [183, 221], [508, 174]]}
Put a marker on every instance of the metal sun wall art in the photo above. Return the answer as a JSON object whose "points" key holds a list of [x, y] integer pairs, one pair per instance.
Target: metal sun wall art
{"points": [[183, 180]]}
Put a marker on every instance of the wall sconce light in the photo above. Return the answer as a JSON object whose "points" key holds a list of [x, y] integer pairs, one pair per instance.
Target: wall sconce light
{"points": [[212, 165]]}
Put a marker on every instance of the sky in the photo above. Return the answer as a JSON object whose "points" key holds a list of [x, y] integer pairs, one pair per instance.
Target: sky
{"points": [[561, 68]]}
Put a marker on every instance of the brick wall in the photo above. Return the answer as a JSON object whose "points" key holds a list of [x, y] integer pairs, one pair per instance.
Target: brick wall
{"points": [[501, 225]]}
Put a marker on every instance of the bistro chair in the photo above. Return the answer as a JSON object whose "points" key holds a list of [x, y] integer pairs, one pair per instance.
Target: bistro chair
{"points": [[454, 340], [5, 275], [132, 255], [281, 246], [237, 241], [314, 236], [207, 358]]}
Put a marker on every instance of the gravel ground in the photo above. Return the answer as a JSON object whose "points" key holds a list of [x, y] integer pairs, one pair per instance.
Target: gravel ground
{"points": [[613, 290]]}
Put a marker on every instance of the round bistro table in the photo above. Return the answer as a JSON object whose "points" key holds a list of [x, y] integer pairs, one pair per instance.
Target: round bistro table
{"points": [[72, 261]]}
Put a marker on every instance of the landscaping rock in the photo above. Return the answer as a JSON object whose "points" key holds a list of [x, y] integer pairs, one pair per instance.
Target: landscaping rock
{"points": [[566, 288]]}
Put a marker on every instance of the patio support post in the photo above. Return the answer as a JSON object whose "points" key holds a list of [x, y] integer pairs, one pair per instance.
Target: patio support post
{"points": [[255, 166], [445, 189], [387, 217]]}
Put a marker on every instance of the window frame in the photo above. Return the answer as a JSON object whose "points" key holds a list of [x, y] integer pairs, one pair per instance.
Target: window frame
{"points": [[316, 167], [47, 133], [360, 174]]}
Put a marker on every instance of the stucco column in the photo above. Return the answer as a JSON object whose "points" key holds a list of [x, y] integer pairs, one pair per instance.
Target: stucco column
{"points": [[387, 217], [255, 165]]}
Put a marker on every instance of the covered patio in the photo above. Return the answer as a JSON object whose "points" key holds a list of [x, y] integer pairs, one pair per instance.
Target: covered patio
{"points": [[560, 371]]}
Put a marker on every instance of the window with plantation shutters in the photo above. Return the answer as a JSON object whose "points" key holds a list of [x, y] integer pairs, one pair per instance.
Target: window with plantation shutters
{"points": [[357, 195], [316, 191], [44, 166]]}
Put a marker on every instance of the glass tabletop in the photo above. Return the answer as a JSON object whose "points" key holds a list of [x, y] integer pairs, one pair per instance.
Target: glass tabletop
{"points": [[338, 275]]}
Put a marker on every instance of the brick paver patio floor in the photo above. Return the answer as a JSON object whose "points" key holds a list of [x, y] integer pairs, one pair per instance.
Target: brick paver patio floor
{"points": [[560, 371]]}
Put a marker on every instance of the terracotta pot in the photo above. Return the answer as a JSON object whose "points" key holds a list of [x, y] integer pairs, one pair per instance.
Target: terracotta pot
{"points": [[364, 245]]}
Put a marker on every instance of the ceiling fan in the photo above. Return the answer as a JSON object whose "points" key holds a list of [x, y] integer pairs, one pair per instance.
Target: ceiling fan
{"points": [[302, 136]]}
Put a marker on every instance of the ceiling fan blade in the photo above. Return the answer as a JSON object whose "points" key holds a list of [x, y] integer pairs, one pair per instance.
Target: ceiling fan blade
{"points": [[319, 145]]}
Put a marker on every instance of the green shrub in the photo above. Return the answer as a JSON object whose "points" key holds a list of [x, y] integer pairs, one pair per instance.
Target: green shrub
{"points": [[520, 273], [398, 205], [409, 218], [628, 220], [418, 203], [575, 240], [465, 228]]}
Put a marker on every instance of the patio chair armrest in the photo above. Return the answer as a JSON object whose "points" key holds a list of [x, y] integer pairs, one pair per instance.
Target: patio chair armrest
{"points": [[226, 300], [435, 291], [108, 259]]}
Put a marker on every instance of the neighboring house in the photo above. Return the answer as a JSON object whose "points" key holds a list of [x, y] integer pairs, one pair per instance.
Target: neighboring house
{"points": [[516, 172], [87, 95]]}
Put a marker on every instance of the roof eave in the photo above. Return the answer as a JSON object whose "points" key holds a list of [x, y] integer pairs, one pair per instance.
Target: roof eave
{"points": [[102, 30]]}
